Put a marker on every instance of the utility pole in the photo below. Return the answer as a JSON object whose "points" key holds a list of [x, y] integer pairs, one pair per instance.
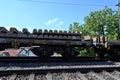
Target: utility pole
{"points": [[119, 18]]}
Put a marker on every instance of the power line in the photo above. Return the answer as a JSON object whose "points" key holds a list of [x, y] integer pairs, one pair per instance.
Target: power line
{"points": [[62, 3]]}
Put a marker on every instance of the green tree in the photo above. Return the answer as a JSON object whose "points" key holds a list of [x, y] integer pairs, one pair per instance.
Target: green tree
{"points": [[97, 23], [103, 22], [77, 27]]}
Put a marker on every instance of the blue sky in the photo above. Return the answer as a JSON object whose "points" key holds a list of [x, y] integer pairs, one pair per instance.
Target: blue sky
{"points": [[48, 14]]}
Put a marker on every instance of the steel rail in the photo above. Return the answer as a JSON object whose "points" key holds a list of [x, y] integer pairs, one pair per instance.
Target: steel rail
{"points": [[54, 70], [51, 59]]}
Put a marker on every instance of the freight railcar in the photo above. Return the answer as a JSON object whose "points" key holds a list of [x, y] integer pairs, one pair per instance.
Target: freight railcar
{"points": [[46, 43]]}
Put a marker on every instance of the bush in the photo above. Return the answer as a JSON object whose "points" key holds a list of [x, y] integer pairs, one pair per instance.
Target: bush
{"points": [[87, 53]]}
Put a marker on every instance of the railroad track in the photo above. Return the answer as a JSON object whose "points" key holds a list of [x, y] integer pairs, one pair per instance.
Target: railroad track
{"points": [[63, 75], [51, 59], [92, 70]]}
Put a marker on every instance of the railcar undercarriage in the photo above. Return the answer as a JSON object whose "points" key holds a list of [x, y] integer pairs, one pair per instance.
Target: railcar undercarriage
{"points": [[68, 52]]}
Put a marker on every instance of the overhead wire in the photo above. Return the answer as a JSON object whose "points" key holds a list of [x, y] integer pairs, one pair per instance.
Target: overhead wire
{"points": [[63, 3]]}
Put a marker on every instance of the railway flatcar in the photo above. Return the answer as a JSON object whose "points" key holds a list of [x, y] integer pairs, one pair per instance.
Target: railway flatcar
{"points": [[46, 43]]}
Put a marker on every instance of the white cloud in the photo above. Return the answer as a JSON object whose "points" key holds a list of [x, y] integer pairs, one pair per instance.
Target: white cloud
{"points": [[54, 22]]}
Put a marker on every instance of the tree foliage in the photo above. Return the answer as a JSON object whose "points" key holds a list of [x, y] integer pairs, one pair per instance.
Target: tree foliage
{"points": [[103, 22]]}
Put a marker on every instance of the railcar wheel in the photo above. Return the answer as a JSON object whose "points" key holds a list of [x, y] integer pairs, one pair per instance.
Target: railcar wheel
{"points": [[99, 50], [100, 53], [37, 51], [70, 53], [42, 52]]}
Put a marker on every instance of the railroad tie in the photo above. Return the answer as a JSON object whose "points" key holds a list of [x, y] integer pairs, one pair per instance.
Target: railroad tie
{"points": [[82, 77], [65, 76], [96, 75], [13, 77], [117, 73], [49, 76], [116, 78], [31, 76]]}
